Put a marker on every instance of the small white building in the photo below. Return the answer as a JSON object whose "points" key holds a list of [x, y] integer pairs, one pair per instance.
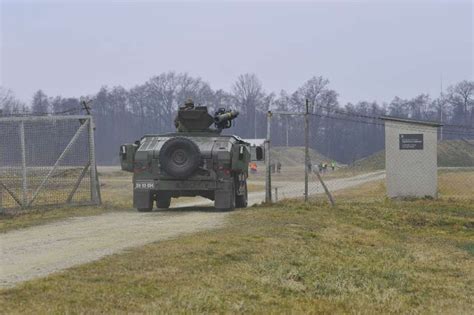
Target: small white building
{"points": [[411, 162]]}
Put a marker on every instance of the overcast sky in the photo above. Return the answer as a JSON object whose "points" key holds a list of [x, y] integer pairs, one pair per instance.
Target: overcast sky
{"points": [[369, 50]]}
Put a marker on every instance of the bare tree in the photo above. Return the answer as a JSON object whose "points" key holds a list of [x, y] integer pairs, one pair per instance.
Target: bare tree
{"points": [[314, 90], [40, 104], [249, 95], [398, 107], [461, 96], [169, 90], [282, 104], [9, 104], [220, 99], [418, 106]]}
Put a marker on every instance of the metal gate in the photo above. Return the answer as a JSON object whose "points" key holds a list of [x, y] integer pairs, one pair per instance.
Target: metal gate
{"points": [[47, 160]]}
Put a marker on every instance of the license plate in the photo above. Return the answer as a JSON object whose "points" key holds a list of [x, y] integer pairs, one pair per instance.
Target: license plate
{"points": [[144, 185]]}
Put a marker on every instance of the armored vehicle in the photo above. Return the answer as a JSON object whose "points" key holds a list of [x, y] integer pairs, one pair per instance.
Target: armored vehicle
{"points": [[197, 160]]}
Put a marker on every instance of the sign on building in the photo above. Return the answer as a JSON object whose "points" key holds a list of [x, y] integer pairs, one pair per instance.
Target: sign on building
{"points": [[411, 141], [411, 157]]}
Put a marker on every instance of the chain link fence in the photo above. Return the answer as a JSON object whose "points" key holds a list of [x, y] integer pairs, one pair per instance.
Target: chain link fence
{"points": [[447, 166], [47, 160]]}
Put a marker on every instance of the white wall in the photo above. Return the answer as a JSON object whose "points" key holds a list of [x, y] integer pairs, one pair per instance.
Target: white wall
{"points": [[411, 173]]}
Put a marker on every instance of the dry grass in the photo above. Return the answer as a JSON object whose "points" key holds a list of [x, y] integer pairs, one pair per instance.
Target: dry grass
{"points": [[452, 184], [372, 191], [361, 257], [456, 184]]}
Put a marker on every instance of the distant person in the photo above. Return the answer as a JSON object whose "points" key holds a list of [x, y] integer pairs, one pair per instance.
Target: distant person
{"points": [[278, 167], [333, 165], [320, 167], [188, 105], [253, 168]]}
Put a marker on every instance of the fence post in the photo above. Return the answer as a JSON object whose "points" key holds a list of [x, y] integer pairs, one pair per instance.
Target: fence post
{"points": [[326, 190], [95, 194], [268, 180], [306, 150], [276, 194], [23, 165]]}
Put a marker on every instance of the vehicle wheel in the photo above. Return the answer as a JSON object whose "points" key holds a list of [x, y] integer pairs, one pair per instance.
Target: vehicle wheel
{"points": [[144, 209], [232, 204], [180, 157], [241, 201], [227, 199], [163, 202]]}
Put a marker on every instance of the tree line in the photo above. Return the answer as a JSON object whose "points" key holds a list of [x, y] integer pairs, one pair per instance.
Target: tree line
{"points": [[344, 132]]}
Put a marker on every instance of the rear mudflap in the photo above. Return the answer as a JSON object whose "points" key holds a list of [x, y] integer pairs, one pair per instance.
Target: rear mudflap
{"points": [[142, 199]]}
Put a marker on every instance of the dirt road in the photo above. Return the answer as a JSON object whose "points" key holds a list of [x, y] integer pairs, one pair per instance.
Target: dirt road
{"points": [[38, 251]]}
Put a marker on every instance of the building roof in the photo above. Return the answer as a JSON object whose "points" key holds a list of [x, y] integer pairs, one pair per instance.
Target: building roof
{"points": [[412, 121]]}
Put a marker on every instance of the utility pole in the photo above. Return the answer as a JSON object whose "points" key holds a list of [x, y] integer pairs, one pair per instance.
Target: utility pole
{"points": [[306, 150], [287, 127], [268, 172], [255, 123], [441, 108], [307, 164]]}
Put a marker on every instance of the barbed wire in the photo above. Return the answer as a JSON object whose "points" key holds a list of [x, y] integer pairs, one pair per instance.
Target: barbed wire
{"points": [[352, 114], [382, 124], [28, 114], [378, 121]]}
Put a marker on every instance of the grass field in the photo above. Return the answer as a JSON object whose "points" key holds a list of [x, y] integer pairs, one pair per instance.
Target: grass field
{"points": [[365, 256], [452, 185]]}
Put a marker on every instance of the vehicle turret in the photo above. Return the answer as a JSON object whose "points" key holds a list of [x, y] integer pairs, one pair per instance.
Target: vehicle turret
{"points": [[197, 119]]}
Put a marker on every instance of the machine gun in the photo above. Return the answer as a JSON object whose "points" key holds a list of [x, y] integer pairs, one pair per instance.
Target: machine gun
{"points": [[223, 118]]}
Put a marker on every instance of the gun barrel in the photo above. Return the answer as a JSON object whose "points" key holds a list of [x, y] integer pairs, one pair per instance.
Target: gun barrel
{"points": [[226, 116]]}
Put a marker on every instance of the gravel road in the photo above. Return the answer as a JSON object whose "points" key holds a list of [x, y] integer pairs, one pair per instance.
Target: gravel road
{"points": [[38, 251]]}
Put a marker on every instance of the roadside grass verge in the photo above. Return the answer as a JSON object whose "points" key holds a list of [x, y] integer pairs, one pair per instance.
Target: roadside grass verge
{"points": [[456, 184], [40, 216], [116, 196], [360, 257], [452, 184]]}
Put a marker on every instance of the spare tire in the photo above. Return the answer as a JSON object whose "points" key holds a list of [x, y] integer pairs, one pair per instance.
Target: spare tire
{"points": [[180, 157]]}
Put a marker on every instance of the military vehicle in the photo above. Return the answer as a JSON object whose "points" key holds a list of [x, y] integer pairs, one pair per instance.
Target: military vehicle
{"points": [[197, 160]]}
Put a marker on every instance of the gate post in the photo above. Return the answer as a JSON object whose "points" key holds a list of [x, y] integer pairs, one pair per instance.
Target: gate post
{"points": [[306, 151], [95, 195], [23, 165], [268, 180]]}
